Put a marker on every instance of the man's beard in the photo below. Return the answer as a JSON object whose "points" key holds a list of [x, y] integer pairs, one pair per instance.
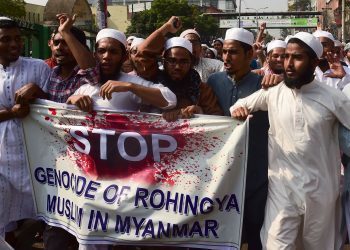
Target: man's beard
{"points": [[306, 77]]}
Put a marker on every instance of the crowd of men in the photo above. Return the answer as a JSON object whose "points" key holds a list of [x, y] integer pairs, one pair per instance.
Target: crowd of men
{"points": [[294, 91]]}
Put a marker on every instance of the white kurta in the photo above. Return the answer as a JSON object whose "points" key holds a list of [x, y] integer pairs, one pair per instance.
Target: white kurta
{"points": [[208, 66], [125, 101], [16, 200], [333, 82], [303, 155]]}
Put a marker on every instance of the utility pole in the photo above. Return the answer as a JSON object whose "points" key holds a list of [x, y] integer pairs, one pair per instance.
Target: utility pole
{"points": [[343, 21], [256, 15], [239, 14]]}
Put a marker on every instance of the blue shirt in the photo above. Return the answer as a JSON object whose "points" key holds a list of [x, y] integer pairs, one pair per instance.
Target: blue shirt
{"points": [[228, 91]]}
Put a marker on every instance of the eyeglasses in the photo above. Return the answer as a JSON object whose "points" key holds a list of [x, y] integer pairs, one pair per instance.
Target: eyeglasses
{"points": [[173, 61], [56, 42]]}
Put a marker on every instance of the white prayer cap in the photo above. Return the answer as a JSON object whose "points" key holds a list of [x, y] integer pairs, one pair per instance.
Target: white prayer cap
{"points": [[189, 31], [240, 34], [337, 43], [130, 38], [178, 42], [287, 38], [310, 41], [322, 33], [137, 41], [111, 33], [214, 51], [4, 18], [276, 44], [204, 45], [220, 40]]}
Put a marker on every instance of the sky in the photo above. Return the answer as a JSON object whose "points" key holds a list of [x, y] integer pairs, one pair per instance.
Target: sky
{"points": [[273, 5]]}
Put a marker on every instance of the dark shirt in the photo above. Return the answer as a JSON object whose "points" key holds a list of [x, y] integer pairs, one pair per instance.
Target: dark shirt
{"points": [[228, 92]]}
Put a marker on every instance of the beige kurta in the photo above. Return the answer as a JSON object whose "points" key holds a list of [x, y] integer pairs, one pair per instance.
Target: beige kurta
{"points": [[303, 155]]}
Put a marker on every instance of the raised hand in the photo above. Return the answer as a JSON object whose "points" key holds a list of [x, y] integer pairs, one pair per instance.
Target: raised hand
{"points": [[66, 22], [337, 70]]}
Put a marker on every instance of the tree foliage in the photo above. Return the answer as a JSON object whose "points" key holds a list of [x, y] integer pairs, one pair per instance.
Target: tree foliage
{"points": [[300, 5], [147, 21], [12, 8]]}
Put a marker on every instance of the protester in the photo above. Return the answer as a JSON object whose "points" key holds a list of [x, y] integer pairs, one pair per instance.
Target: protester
{"points": [[51, 62], [75, 67], [204, 49], [211, 53], [275, 57], [21, 82], [303, 151], [193, 96], [117, 90], [76, 64], [330, 70], [217, 44], [238, 82], [204, 66]]}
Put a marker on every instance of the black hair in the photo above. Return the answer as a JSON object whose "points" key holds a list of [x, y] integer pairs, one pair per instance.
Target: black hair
{"points": [[8, 24], [309, 51], [77, 33], [246, 47]]}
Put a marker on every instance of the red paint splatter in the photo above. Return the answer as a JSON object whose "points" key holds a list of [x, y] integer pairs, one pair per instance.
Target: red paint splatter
{"points": [[53, 111]]}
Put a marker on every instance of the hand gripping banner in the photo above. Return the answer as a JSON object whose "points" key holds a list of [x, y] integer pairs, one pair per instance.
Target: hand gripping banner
{"points": [[135, 179]]}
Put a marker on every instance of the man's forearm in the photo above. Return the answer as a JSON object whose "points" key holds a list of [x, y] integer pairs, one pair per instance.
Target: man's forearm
{"points": [[149, 95], [6, 114]]}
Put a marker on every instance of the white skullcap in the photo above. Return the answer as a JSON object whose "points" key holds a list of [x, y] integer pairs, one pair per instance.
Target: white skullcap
{"points": [[189, 31], [337, 43], [5, 18], [310, 41], [130, 38], [276, 44], [178, 42], [204, 45], [214, 51], [111, 33], [287, 38], [220, 40], [240, 34], [137, 41], [322, 33]]}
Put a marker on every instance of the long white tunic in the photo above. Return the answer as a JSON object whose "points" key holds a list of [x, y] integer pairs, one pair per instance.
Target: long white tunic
{"points": [[303, 155], [333, 82], [16, 200], [125, 101]]}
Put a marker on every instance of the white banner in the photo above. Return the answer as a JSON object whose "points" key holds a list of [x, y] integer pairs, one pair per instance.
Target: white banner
{"points": [[133, 178]]}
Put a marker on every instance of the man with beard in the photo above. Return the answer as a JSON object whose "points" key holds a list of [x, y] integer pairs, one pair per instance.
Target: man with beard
{"points": [[21, 80], [330, 70], [237, 81], [303, 199]]}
